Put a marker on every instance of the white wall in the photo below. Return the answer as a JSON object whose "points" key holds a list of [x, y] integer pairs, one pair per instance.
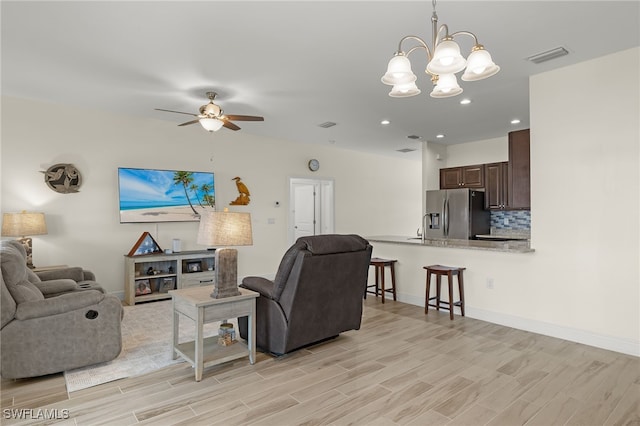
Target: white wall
{"points": [[583, 281], [373, 194]]}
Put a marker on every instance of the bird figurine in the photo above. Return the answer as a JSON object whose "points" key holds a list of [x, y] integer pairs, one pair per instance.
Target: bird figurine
{"points": [[243, 197], [63, 178]]}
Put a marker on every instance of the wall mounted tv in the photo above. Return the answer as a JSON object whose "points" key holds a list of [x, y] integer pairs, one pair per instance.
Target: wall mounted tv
{"points": [[149, 195]]}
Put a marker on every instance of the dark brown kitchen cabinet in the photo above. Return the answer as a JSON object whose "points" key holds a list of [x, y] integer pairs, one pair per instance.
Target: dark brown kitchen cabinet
{"points": [[496, 188], [519, 174], [462, 177]]}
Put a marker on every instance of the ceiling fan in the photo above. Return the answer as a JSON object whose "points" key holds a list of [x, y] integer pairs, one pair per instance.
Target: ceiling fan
{"points": [[211, 116]]}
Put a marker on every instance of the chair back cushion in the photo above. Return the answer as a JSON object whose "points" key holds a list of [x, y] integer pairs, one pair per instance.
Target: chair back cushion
{"points": [[15, 275]]}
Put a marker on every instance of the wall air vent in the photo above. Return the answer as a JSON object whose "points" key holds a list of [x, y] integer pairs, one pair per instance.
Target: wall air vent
{"points": [[405, 150], [548, 55], [327, 124]]}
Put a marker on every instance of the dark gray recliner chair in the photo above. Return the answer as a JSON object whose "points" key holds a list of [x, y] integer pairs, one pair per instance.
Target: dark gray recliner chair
{"points": [[317, 293], [53, 325]]}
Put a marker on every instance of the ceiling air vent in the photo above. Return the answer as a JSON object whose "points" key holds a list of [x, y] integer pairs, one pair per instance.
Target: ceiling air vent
{"points": [[405, 150], [414, 137], [548, 55], [327, 124]]}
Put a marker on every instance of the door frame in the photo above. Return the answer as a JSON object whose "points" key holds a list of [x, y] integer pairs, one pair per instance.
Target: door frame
{"points": [[325, 205]]}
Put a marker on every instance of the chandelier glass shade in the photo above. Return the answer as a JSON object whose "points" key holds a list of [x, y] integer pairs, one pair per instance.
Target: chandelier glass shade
{"points": [[444, 61]]}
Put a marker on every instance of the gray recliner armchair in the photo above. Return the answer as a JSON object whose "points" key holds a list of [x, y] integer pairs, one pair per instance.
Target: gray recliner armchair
{"points": [[53, 321], [317, 293]]}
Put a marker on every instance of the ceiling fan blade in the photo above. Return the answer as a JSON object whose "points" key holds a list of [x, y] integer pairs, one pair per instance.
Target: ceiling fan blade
{"points": [[177, 112], [229, 125], [243, 117], [189, 122]]}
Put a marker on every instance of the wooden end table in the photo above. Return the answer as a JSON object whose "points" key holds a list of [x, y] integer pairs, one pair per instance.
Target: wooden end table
{"points": [[197, 304]]}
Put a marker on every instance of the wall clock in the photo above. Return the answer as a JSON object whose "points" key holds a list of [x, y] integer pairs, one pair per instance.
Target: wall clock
{"points": [[314, 165]]}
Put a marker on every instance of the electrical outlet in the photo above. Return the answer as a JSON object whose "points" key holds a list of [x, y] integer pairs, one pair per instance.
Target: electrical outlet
{"points": [[506, 221], [490, 283]]}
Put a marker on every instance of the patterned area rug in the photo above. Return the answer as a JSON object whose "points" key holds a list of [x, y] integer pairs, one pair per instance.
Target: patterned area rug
{"points": [[146, 346]]}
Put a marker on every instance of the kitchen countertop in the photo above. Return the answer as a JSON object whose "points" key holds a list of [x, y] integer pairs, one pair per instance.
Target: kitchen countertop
{"points": [[502, 246]]}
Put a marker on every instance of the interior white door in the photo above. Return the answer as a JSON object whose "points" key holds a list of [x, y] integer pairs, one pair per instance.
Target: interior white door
{"points": [[312, 208], [304, 210]]}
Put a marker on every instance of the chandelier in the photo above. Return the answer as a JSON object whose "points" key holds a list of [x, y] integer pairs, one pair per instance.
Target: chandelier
{"points": [[444, 61]]}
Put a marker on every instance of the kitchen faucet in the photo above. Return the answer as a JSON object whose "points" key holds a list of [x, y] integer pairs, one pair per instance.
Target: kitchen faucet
{"points": [[424, 227]]}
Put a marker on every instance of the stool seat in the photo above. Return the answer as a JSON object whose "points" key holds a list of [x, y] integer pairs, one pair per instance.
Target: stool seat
{"points": [[448, 271], [379, 264]]}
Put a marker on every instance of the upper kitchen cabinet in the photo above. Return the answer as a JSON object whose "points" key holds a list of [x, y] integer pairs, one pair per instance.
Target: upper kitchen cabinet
{"points": [[519, 175], [462, 177], [496, 188]]}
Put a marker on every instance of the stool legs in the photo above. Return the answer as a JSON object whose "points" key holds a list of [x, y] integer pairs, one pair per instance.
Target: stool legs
{"points": [[461, 291], [393, 281], [450, 282], [380, 284], [426, 297]]}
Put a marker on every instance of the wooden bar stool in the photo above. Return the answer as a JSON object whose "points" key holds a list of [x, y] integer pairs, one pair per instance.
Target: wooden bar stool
{"points": [[449, 272], [379, 265]]}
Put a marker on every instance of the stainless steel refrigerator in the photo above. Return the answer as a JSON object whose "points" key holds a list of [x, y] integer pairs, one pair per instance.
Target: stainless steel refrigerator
{"points": [[456, 213]]}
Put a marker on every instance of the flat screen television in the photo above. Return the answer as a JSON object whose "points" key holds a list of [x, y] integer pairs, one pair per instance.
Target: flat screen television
{"points": [[150, 195]]}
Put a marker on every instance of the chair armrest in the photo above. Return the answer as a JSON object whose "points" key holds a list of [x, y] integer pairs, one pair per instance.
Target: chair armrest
{"points": [[74, 273], [58, 305], [261, 285], [61, 285]]}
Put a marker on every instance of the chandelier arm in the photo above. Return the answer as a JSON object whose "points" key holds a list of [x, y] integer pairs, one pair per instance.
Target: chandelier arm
{"points": [[467, 33], [421, 45]]}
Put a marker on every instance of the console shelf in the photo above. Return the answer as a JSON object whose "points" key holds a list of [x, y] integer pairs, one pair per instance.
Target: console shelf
{"points": [[149, 277]]}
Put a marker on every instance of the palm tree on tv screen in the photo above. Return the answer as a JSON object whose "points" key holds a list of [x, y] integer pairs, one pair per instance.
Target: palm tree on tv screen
{"points": [[193, 187], [184, 178], [209, 199]]}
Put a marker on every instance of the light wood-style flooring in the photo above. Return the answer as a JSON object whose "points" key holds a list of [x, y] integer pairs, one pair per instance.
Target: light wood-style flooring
{"points": [[400, 368]]}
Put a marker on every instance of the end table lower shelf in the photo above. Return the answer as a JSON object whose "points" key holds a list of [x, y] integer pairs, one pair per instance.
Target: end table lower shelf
{"points": [[212, 352]]}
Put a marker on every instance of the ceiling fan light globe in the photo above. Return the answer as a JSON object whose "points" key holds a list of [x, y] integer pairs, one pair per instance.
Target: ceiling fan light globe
{"points": [[479, 66], [446, 59], [211, 124], [399, 71]]}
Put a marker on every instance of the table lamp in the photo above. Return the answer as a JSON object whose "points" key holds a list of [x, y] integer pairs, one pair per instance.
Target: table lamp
{"points": [[23, 225], [225, 229]]}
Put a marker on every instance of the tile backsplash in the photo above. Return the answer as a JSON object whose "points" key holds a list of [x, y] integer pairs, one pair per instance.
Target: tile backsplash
{"points": [[515, 219]]}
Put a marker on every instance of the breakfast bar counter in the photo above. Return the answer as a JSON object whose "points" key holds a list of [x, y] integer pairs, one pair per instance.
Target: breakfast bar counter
{"points": [[501, 246]]}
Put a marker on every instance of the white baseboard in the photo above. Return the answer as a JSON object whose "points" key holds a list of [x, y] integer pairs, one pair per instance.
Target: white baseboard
{"points": [[616, 344]]}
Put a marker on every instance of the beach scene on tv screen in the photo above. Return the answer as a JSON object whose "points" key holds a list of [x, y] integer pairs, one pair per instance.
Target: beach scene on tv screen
{"points": [[148, 195]]}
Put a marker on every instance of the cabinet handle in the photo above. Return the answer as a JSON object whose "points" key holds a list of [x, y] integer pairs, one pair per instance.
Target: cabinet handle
{"points": [[205, 281]]}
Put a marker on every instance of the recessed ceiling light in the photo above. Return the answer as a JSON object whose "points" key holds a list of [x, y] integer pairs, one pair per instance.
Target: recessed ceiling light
{"points": [[465, 102], [440, 136], [385, 122], [515, 121]]}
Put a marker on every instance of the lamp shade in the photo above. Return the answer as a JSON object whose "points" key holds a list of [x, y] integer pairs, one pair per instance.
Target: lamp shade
{"points": [[399, 71], [479, 65], [446, 59], [225, 229], [404, 90], [447, 86], [23, 224], [211, 124]]}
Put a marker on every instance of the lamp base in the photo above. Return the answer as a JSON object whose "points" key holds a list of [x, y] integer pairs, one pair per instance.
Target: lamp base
{"points": [[226, 275], [27, 244]]}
